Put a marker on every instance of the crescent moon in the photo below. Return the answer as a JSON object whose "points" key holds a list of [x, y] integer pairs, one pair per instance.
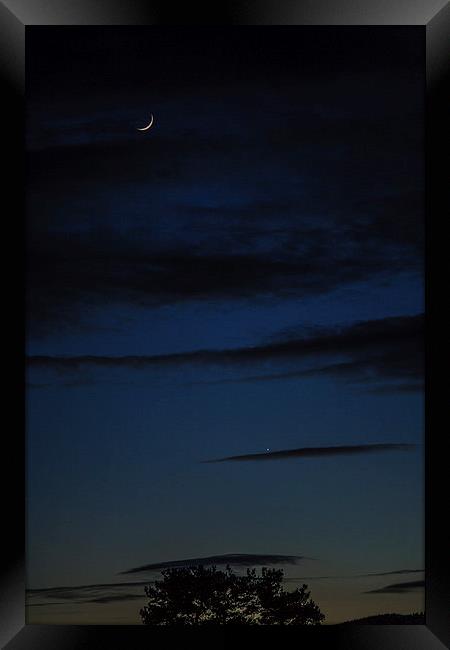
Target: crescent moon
{"points": [[148, 125]]}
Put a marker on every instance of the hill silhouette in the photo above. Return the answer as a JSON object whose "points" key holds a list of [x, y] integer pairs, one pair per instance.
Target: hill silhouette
{"points": [[418, 618]]}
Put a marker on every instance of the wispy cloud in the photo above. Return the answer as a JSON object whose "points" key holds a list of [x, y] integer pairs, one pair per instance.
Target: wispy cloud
{"points": [[358, 371], [385, 350], [83, 594], [356, 337], [308, 452], [111, 598], [107, 593], [399, 588], [64, 591], [391, 573], [351, 576], [398, 387]]}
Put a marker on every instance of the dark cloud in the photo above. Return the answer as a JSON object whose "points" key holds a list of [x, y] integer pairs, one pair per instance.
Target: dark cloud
{"points": [[61, 593], [399, 588], [238, 559], [366, 370], [352, 576], [84, 594], [384, 333], [105, 593], [402, 387], [70, 591], [391, 573], [388, 350], [71, 275], [312, 452], [112, 598], [29, 604]]}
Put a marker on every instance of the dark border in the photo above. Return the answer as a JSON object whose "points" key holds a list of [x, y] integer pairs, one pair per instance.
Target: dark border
{"points": [[15, 15]]}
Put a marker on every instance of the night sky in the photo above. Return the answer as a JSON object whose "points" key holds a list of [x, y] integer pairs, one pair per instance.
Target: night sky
{"points": [[244, 278]]}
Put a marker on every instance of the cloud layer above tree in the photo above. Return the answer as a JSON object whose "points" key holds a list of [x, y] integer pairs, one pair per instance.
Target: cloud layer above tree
{"points": [[233, 559]]}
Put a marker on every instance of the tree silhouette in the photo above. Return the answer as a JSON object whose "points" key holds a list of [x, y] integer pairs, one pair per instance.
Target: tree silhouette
{"points": [[205, 596]]}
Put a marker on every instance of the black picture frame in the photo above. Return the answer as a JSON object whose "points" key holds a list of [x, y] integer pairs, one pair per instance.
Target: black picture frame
{"points": [[15, 16]]}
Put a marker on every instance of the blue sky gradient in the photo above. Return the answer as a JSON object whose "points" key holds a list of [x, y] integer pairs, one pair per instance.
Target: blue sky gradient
{"points": [[276, 203]]}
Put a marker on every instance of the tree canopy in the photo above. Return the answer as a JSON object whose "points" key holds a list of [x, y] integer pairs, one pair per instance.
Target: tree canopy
{"points": [[204, 595]]}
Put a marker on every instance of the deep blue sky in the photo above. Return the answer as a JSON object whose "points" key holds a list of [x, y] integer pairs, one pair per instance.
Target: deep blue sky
{"points": [[271, 220]]}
